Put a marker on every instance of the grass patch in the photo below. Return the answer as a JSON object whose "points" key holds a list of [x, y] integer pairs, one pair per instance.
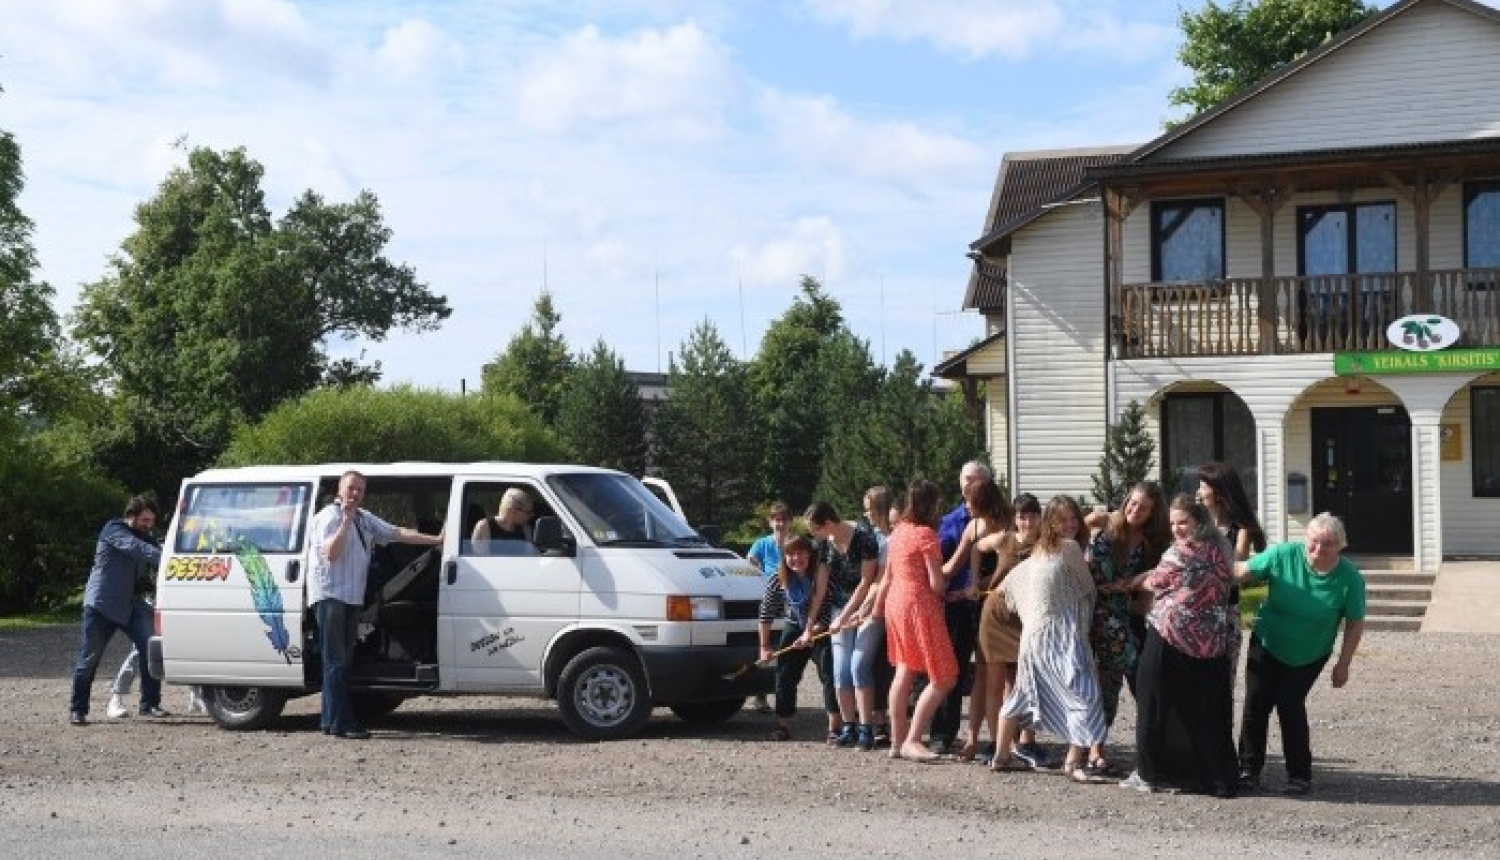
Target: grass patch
{"points": [[1251, 597], [68, 613]]}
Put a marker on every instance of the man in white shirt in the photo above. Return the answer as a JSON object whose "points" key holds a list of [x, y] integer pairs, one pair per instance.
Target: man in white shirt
{"points": [[343, 535]]}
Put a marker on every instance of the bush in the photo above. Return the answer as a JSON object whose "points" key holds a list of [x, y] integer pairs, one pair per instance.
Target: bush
{"points": [[363, 424]]}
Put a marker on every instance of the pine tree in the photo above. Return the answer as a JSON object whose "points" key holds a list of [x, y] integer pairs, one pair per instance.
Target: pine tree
{"points": [[601, 414], [1129, 455]]}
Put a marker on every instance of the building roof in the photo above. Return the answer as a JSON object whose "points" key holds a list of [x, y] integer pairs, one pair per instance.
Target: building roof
{"points": [[1286, 71], [955, 366], [1030, 182]]}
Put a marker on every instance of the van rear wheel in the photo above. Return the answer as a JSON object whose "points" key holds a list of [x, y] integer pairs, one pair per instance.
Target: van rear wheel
{"points": [[244, 708], [602, 694], [708, 713]]}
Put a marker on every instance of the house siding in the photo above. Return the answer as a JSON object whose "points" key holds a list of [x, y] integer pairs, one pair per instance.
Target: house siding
{"points": [[1373, 91], [1469, 524], [1057, 334], [997, 429]]}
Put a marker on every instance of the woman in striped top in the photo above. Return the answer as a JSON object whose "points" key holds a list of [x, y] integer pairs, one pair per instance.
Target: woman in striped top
{"points": [[799, 593]]}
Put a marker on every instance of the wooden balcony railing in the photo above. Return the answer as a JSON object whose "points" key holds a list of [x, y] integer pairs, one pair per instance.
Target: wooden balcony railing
{"points": [[1292, 315]]}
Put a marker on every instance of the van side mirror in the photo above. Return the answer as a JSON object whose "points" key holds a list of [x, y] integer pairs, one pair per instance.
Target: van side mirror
{"points": [[711, 533], [547, 535]]}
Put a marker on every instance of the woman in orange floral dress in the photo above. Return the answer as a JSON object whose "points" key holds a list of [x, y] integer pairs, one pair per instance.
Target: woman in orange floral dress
{"points": [[911, 601]]}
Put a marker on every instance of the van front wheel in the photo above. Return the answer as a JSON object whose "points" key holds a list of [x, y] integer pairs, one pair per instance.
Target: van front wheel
{"points": [[244, 708], [602, 694]]}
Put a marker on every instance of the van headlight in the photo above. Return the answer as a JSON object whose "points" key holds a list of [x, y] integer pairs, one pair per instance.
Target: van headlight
{"points": [[681, 607]]}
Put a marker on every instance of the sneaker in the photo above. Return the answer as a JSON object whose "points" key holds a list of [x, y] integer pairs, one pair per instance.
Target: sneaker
{"points": [[864, 738], [1029, 753], [1135, 783], [196, 705], [116, 707], [155, 712], [846, 735], [353, 735], [1249, 781], [939, 745], [78, 718], [1296, 787]]}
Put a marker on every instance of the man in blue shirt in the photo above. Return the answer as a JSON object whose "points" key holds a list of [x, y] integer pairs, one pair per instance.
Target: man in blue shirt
{"points": [[125, 562], [960, 610]]}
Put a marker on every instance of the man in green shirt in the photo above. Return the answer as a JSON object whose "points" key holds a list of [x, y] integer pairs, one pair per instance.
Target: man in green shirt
{"points": [[1312, 589]]}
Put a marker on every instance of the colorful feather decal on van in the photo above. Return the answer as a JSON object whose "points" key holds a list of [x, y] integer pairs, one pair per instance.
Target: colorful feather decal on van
{"points": [[266, 595]]}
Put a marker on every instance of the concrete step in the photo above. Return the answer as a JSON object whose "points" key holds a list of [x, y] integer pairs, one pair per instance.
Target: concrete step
{"points": [[1366, 562], [1382, 592], [1396, 625], [1395, 608], [1385, 578]]}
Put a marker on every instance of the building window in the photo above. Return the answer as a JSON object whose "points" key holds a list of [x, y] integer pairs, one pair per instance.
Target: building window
{"points": [[1347, 240], [1485, 439], [1200, 428], [1187, 240], [1482, 225]]}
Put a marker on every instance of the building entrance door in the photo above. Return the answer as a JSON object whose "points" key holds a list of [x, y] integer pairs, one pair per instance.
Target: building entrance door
{"points": [[1362, 473]]}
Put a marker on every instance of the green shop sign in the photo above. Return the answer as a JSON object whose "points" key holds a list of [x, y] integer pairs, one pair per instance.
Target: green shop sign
{"points": [[1446, 361]]}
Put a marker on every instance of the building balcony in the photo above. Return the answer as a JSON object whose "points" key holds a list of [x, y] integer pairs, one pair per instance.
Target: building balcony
{"points": [[1298, 315]]}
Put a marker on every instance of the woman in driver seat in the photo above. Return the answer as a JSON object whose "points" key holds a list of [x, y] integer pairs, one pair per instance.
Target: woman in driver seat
{"points": [[511, 522]]}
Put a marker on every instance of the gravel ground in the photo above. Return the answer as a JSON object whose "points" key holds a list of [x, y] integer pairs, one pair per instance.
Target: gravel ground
{"points": [[1408, 764]]}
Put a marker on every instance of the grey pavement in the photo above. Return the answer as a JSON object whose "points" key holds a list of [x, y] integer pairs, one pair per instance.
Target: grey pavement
{"points": [[1464, 598]]}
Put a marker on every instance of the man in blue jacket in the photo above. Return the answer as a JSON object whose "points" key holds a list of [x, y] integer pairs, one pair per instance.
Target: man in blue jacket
{"points": [[125, 560]]}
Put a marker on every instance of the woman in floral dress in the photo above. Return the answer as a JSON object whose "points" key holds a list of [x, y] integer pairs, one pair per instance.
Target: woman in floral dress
{"points": [[1184, 711]]}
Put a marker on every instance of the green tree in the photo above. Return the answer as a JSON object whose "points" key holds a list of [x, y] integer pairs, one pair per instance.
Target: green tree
{"points": [[535, 365], [795, 396], [708, 438], [365, 424], [910, 430], [601, 415], [1229, 47], [1129, 454], [52, 496], [211, 314]]}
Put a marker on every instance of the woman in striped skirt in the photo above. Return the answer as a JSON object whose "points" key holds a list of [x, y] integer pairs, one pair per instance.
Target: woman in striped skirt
{"points": [[1056, 686]]}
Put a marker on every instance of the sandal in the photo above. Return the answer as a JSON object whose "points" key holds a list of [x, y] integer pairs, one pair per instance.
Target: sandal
{"points": [[1104, 768], [1009, 764], [781, 733], [967, 752], [1088, 774]]}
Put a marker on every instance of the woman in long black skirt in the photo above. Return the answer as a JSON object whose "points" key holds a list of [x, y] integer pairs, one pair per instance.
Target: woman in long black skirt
{"points": [[1184, 716]]}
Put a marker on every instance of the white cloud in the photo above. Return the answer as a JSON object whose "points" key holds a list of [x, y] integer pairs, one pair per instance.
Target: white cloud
{"points": [[816, 128], [188, 44], [1014, 29], [812, 246], [678, 78], [412, 47]]}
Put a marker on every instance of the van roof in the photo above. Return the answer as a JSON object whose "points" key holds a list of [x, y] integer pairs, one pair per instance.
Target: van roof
{"points": [[408, 469]]}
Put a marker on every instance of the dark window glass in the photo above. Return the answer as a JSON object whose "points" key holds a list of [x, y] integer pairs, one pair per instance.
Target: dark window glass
{"points": [[1482, 225], [1485, 439], [1199, 428], [1187, 239], [1342, 240]]}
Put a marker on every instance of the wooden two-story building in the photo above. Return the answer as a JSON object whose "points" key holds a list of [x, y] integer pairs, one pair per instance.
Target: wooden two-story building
{"points": [[1239, 277]]}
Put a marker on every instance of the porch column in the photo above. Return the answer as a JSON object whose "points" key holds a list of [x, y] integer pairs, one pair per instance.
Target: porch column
{"points": [[1115, 210], [1270, 455], [1426, 490]]}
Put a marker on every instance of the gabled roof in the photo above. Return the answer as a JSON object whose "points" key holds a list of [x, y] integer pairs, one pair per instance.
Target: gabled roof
{"points": [[952, 367], [1030, 182], [1286, 71]]}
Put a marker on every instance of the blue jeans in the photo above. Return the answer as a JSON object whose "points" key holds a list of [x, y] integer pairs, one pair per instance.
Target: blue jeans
{"points": [[868, 640], [97, 631], [338, 622]]}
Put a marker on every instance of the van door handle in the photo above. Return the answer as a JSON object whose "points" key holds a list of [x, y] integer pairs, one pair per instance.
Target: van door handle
{"points": [[452, 571], [293, 570]]}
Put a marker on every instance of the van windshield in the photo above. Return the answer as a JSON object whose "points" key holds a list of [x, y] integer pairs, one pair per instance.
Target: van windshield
{"points": [[618, 509]]}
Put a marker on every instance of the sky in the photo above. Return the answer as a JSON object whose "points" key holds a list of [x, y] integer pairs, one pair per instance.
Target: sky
{"points": [[650, 163]]}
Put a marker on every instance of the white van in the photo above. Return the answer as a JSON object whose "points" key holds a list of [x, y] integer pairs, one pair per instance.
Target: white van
{"points": [[613, 607]]}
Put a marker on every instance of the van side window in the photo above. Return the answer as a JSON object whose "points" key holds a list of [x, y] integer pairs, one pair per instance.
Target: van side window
{"points": [[482, 506], [224, 517]]}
